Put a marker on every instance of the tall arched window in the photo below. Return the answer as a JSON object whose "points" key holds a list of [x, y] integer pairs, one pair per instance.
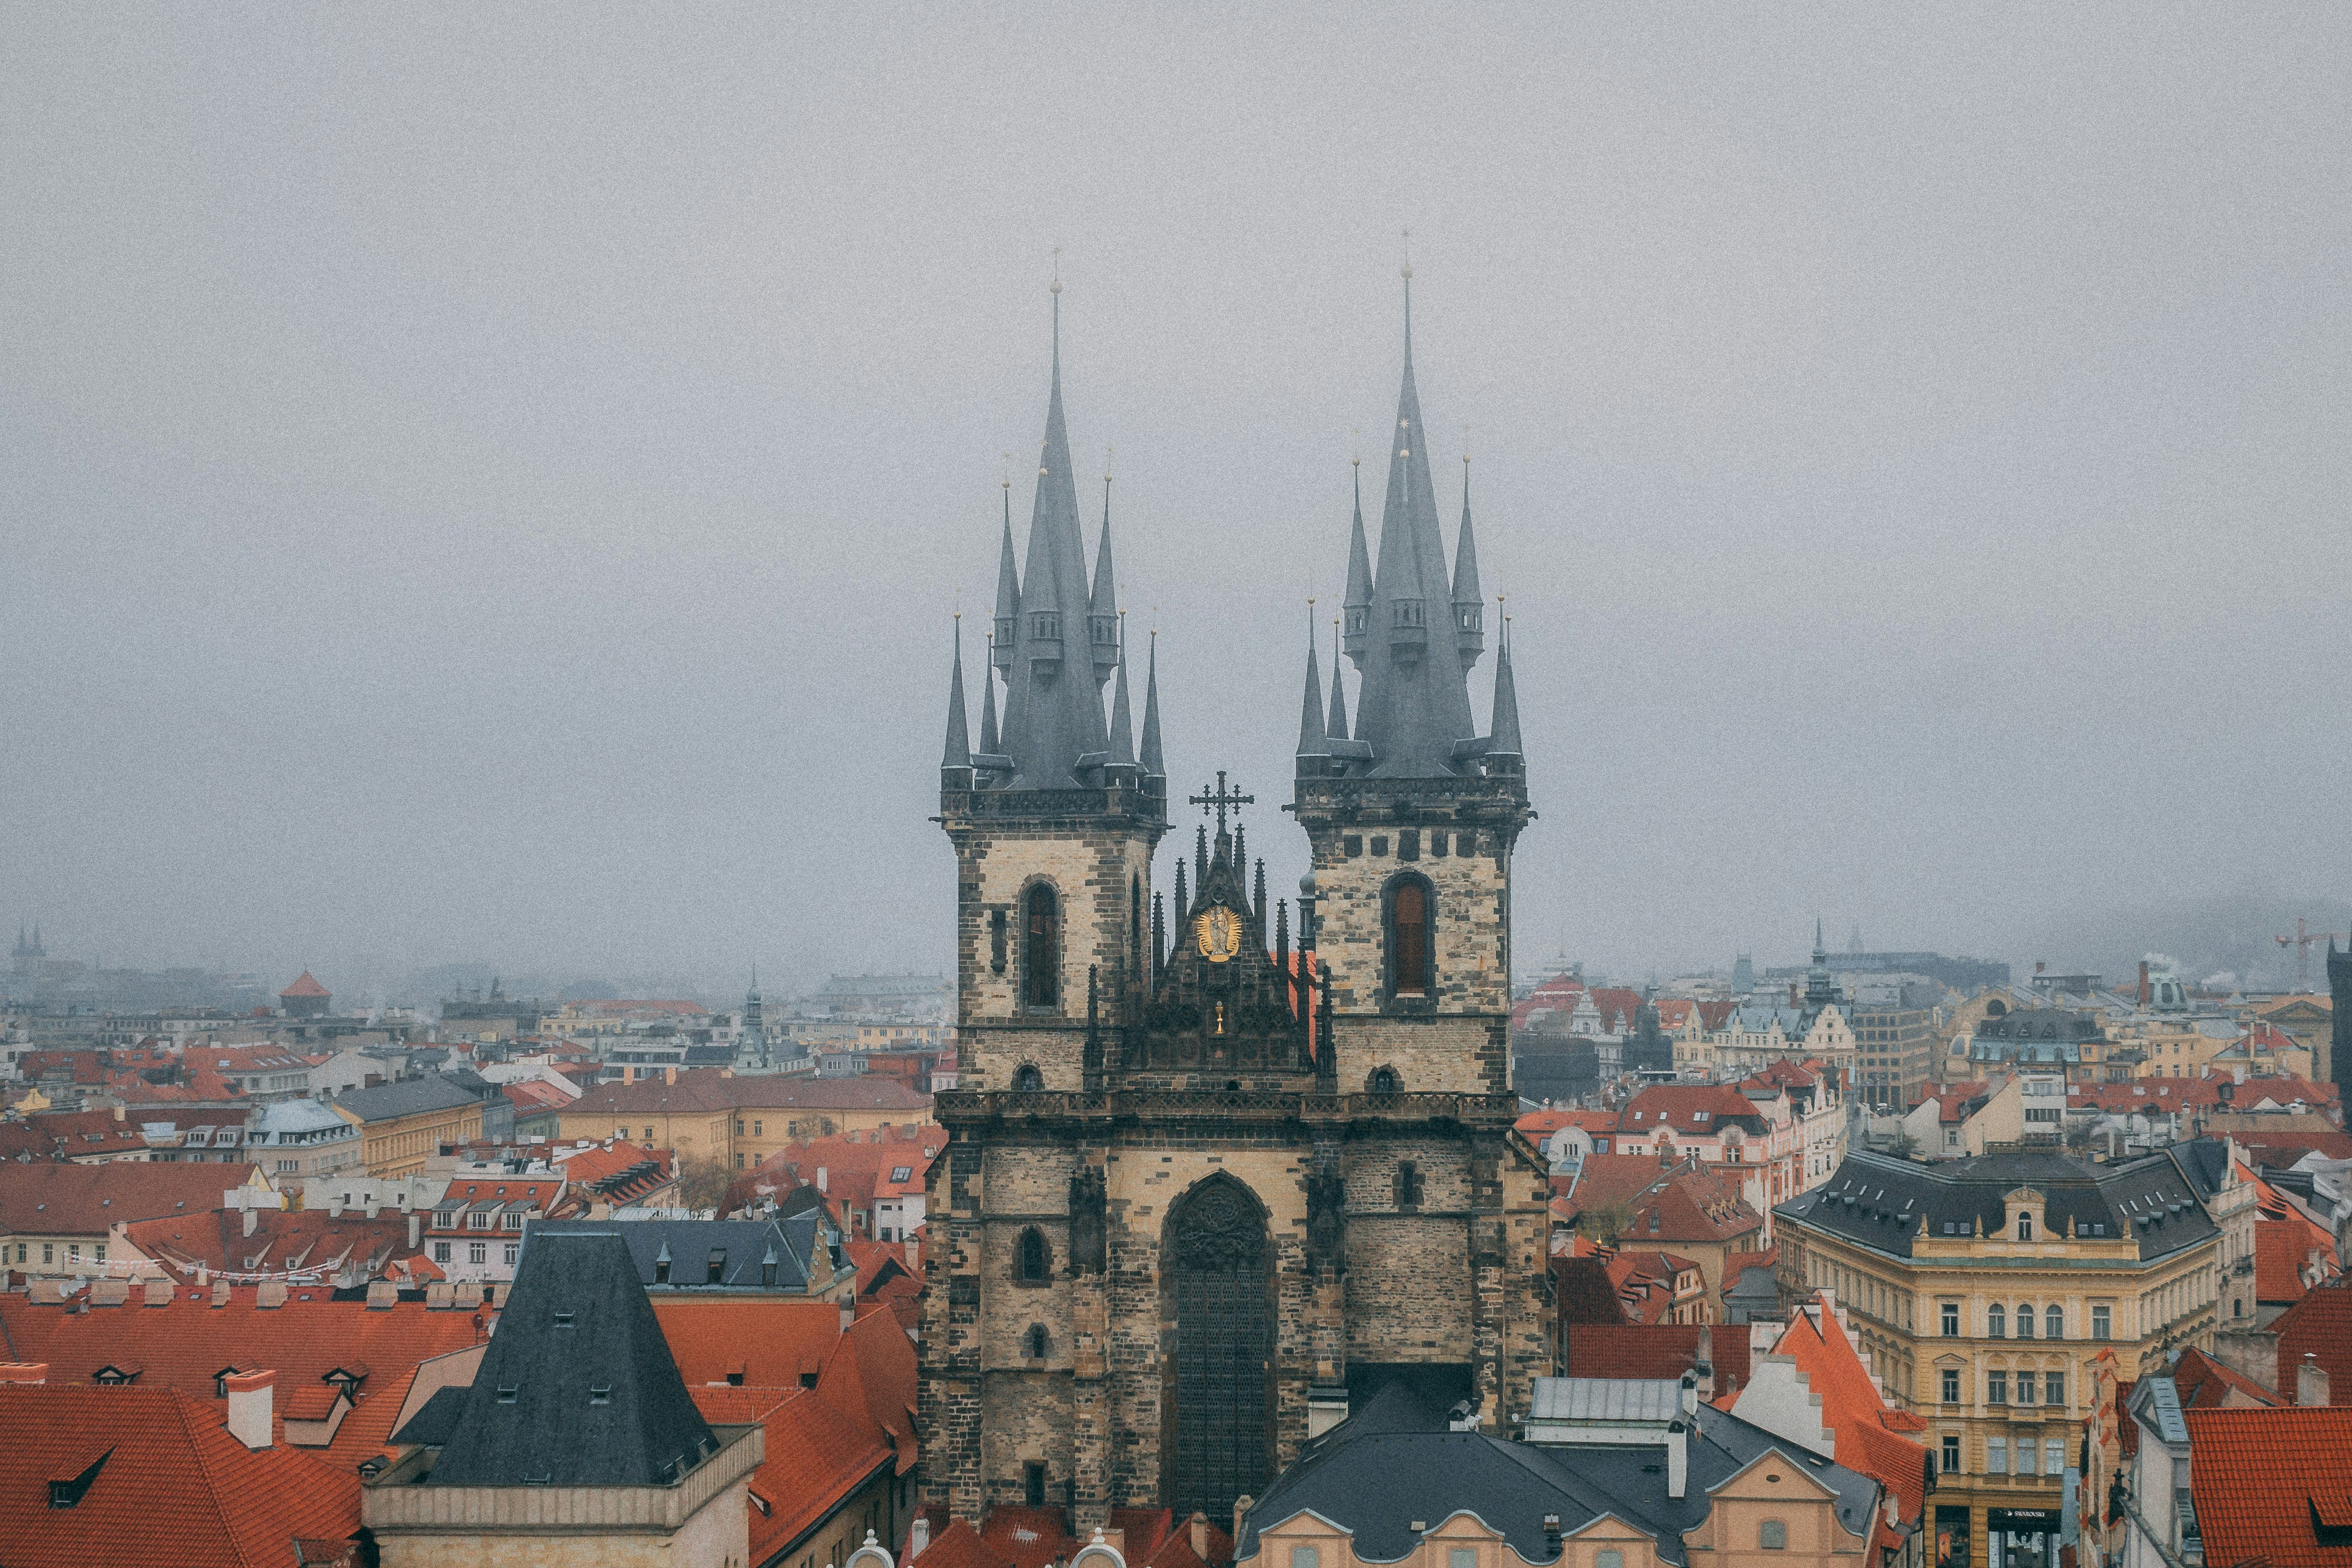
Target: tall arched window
{"points": [[1412, 954], [2025, 1319], [1035, 1261], [1027, 1080], [1037, 1342], [2054, 1322], [1041, 947], [1996, 1321]]}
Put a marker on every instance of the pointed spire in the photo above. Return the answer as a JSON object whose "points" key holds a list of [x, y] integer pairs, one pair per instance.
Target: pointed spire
{"points": [[989, 741], [1359, 603], [1154, 765], [1311, 734], [1338, 727], [1006, 633], [1122, 723], [1504, 732], [1053, 716], [1469, 604], [1413, 703], [1102, 608], [959, 748]]}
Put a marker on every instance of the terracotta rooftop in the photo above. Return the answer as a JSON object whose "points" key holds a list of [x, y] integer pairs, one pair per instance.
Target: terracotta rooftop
{"points": [[48, 1199], [153, 1472], [305, 986], [2321, 1325], [2268, 1483]]}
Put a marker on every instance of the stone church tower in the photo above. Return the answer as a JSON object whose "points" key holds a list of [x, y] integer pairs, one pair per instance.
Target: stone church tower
{"points": [[1204, 1188]]}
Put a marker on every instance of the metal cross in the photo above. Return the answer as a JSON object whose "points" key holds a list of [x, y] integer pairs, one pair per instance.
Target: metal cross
{"points": [[1220, 799]]}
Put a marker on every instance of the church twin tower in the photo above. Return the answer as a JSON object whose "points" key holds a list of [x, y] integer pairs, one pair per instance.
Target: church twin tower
{"points": [[1210, 1179]]}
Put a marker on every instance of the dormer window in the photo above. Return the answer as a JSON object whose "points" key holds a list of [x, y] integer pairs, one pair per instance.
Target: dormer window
{"points": [[2025, 1224]]}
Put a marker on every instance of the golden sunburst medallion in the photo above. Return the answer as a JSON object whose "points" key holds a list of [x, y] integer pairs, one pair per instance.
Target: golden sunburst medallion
{"points": [[1218, 932]]}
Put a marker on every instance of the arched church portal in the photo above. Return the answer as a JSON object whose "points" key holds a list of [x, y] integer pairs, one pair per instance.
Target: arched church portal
{"points": [[1217, 1288]]}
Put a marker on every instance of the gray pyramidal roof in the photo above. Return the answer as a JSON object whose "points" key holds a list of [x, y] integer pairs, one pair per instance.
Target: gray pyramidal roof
{"points": [[578, 1387]]}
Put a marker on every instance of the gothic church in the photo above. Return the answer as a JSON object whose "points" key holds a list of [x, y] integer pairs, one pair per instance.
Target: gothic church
{"points": [[1212, 1177]]}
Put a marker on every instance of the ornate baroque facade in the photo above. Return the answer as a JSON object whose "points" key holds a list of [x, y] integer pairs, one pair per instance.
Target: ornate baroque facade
{"points": [[1204, 1184]]}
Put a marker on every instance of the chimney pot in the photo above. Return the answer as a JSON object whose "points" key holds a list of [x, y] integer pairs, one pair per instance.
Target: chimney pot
{"points": [[2310, 1381], [250, 1398]]}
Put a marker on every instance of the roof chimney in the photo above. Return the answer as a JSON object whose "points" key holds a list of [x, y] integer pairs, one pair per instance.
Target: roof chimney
{"points": [[2310, 1381], [2143, 981], [918, 1539], [849, 1312], [669, 1073], [249, 1400], [1197, 1527], [415, 1230], [820, 1179]]}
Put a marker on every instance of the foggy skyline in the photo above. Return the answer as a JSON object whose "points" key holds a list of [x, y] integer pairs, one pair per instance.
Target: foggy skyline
{"points": [[490, 488]]}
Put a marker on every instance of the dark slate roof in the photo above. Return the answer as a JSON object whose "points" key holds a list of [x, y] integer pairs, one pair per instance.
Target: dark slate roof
{"points": [[408, 1096], [2147, 1199], [746, 1246], [578, 1387], [2205, 1162], [1392, 1463]]}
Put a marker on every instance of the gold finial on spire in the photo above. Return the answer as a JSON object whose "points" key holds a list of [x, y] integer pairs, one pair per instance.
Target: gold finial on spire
{"points": [[1356, 434], [1057, 270], [1406, 270], [1465, 445], [1008, 470], [1107, 465]]}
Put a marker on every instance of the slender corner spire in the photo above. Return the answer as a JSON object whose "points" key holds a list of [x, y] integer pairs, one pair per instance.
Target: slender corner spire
{"points": [[1358, 606], [1821, 953], [1338, 727], [1122, 723], [1469, 604], [989, 741], [1102, 609], [958, 747], [1504, 732], [1312, 739], [1154, 765], [1006, 633]]}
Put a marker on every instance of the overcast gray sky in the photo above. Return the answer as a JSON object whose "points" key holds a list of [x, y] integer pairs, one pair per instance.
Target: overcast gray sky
{"points": [[495, 486]]}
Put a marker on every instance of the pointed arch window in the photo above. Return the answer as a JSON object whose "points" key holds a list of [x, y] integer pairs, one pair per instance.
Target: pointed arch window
{"points": [[1035, 1263], [1041, 947], [1027, 1080], [1411, 917], [1038, 1341]]}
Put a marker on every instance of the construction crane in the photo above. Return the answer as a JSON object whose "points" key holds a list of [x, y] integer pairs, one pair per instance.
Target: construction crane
{"points": [[2301, 941]]}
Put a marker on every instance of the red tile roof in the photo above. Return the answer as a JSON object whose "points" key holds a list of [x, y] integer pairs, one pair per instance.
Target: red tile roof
{"points": [[1690, 1202], [303, 1243], [2206, 1384], [305, 986], [71, 1135], [51, 1199], [2320, 1324], [1871, 1436], [169, 1482], [2267, 1481], [817, 1455], [1695, 1110], [2282, 1249], [183, 1344], [1656, 1351]]}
